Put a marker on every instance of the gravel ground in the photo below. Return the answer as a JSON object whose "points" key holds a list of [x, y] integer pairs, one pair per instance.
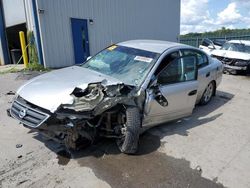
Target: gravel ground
{"points": [[209, 149]]}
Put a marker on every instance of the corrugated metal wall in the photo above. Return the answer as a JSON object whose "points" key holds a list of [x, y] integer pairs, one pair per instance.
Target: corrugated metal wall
{"points": [[114, 21]]}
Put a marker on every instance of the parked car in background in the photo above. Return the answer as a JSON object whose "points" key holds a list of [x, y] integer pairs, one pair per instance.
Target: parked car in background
{"points": [[208, 45], [235, 55], [123, 90]]}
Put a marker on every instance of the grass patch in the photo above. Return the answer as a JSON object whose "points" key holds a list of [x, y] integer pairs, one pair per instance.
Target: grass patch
{"points": [[31, 67], [36, 67], [33, 59]]}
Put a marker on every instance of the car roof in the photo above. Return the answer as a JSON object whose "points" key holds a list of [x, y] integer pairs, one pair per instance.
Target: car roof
{"points": [[246, 42], [156, 46]]}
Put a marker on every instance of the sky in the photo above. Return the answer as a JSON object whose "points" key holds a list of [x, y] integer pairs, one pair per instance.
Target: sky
{"points": [[210, 15]]}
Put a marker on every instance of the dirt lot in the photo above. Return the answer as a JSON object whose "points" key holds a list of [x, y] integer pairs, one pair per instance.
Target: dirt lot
{"points": [[209, 149]]}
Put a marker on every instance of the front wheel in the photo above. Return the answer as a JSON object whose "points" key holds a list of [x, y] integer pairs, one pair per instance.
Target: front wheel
{"points": [[129, 142], [208, 94]]}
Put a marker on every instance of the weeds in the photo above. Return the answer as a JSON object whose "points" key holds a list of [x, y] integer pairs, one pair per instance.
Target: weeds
{"points": [[36, 67]]}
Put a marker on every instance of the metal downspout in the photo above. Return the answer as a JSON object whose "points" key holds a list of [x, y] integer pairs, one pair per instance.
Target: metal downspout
{"points": [[37, 30]]}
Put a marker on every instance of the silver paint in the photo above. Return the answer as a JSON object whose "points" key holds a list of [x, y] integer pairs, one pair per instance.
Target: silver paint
{"points": [[53, 89]]}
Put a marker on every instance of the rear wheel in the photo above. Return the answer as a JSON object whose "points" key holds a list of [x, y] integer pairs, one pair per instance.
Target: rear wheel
{"points": [[131, 130], [208, 94]]}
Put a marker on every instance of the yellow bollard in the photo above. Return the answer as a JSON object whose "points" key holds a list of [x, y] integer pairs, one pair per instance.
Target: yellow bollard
{"points": [[23, 46]]}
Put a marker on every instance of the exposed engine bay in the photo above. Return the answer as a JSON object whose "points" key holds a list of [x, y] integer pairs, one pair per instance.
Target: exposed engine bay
{"points": [[97, 111]]}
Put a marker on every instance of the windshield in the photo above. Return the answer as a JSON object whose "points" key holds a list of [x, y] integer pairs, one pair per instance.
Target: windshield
{"points": [[238, 47], [128, 65]]}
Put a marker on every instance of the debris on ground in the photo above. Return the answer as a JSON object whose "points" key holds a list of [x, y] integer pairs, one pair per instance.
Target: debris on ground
{"points": [[10, 93], [19, 145], [21, 182], [63, 157], [198, 168], [8, 112]]}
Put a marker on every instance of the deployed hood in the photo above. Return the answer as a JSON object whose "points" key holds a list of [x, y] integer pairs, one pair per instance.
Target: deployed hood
{"points": [[53, 89], [231, 54]]}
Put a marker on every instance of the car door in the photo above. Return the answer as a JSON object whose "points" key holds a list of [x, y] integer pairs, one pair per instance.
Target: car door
{"points": [[174, 93], [205, 73]]}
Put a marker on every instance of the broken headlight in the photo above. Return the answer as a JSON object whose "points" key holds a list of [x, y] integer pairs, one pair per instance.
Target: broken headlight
{"points": [[86, 100], [242, 63]]}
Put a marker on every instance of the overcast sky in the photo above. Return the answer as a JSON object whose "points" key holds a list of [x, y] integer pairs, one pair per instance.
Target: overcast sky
{"points": [[209, 15]]}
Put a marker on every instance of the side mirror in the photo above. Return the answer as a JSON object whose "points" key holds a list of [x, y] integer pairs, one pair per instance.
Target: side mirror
{"points": [[88, 58], [159, 97], [154, 86]]}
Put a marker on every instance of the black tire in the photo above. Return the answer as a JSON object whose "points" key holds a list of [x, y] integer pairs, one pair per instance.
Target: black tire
{"points": [[248, 70], [129, 143], [208, 94], [241, 72]]}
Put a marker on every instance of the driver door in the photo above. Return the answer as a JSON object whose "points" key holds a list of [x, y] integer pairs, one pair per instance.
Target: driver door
{"points": [[174, 94]]}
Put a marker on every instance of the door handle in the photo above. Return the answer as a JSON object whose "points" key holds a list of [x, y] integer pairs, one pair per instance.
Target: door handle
{"points": [[191, 93], [208, 74]]}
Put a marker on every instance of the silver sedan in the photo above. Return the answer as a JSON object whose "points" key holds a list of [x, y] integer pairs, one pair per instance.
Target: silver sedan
{"points": [[118, 93]]}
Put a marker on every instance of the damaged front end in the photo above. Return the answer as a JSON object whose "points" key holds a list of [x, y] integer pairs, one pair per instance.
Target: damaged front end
{"points": [[234, 64], [97, 111]]}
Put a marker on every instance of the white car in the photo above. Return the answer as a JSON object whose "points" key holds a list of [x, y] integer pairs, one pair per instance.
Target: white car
{"points": [[235, 55], [208, 45], [124, 89]]}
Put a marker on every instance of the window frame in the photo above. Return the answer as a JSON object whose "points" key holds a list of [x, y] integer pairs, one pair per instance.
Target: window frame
{"points": [[181, 56], [199, 52], [163, 59]]}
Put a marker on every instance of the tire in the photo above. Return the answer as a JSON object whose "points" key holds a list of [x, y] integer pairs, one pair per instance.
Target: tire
{"points": [[248, 70], [208, 94], [241, 72], [129, 143]]}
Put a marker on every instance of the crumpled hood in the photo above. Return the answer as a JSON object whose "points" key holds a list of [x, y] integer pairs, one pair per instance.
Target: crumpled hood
{"points": [[52, 89], [231, 54]]}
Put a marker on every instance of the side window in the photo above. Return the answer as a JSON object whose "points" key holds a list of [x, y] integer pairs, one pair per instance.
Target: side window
{"points": [[201, 57], [180, 70], [169, 58]]}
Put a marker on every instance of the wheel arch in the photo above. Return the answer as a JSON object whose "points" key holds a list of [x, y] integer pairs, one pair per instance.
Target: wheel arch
{"points": [[215, 86]]}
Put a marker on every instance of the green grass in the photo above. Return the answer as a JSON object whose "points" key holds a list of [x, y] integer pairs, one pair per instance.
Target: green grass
{"points": [[36, 67], [31, 67], [33, 59]]}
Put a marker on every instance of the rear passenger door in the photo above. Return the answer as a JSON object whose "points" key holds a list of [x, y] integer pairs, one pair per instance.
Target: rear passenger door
{"points": [[204, 70]]}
